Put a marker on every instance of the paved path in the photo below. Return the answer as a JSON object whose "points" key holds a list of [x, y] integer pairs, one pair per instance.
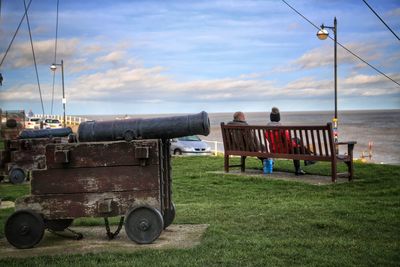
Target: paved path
{"points": [[95, 240]]}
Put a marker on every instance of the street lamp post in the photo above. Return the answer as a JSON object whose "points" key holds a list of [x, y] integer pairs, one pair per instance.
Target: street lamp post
{"points": [[322, 34], [53, 67]]}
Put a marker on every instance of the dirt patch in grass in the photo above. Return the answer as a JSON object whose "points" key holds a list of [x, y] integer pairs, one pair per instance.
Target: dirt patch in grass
{"points": [[95, 241], [6, 204], [287, 176]]}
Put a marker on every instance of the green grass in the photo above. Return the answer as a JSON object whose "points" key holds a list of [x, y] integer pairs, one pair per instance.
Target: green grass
{"points": [[259, 222]]}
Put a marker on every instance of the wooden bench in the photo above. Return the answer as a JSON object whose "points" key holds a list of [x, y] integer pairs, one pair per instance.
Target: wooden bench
{"points": [[262, 142]]}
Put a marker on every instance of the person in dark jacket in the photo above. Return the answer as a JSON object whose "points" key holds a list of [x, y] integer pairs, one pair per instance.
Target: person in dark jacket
{"points": [[238, 119]]}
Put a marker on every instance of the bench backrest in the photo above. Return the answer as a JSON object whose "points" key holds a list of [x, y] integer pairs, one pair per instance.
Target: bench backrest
{"points": [[279, 141]]}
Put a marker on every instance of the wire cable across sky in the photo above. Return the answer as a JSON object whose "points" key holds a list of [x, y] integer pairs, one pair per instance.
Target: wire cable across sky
{"points": [[345, 48], [376, 14]]}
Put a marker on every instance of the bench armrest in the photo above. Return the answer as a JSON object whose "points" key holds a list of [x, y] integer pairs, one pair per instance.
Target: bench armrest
{"points": [[347, 143], [350, 147]]}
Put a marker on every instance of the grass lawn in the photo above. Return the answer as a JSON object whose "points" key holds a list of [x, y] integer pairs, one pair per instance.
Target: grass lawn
{"points": [[259, 222]]}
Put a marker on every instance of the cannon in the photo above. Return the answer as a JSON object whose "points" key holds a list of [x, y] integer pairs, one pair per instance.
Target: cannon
{"points": [[117, 168], [157, 128], [45, 133]]}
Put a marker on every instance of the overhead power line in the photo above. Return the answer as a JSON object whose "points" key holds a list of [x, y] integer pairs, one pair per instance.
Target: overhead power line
{"points": [[376, 14], [15, 34], [55, 60], [33, 54], [345, 48]]}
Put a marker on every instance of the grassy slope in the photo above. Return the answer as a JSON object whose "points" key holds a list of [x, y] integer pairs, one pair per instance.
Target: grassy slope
{"points": [[257, 222]]}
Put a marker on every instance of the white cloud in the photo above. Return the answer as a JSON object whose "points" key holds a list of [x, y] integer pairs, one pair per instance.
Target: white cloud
{"points": [[394, 13], [323, 56], [112, 57], [153, 85], [20, 55]]}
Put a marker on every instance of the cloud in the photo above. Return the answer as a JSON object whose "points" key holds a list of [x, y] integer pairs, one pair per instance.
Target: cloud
{"points": [[322, 56], [130, 84], [394, 12], [93, 48], [370, 85], [27, 92], [20, 56], [113, 57]]}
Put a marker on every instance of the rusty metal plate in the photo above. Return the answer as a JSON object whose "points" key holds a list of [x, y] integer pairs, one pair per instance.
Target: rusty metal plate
{"points": [[99, 179], [83, 155], [61, 156]]}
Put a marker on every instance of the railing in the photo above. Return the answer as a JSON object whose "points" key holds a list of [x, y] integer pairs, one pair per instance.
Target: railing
{"points": [[216, 147], [69, 120]]}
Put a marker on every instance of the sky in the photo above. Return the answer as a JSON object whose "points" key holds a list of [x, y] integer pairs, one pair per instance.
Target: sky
{"points": [[152, 57]]}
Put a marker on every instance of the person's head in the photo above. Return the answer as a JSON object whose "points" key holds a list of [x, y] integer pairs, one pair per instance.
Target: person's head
{"points": [[239, 116], [275, 115]]}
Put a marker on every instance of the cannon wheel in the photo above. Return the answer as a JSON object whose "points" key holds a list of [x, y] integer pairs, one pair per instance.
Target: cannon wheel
{"points": [[143, 225], [169, 215], [16, 176], [58, 224], [24, 229]]}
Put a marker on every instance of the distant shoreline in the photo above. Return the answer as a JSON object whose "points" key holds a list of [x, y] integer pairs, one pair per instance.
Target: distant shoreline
{"points": [[247, 112]]}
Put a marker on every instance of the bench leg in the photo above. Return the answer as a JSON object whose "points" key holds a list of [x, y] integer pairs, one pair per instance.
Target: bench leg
{"points": [[242, 163], [350, 169], [334, 170], [226, 163]]}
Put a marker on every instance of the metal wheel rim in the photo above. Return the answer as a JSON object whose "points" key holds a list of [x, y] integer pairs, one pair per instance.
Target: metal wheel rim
{"points": [[24, 229], [143, 225], [17, 176]]}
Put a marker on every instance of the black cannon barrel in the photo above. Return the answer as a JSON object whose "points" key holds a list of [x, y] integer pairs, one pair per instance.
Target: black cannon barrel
{"points": [[155, 128], [45, 133]]}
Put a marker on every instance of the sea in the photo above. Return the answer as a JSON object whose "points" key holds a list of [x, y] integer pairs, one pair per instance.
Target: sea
{"points": [[377, 132]]}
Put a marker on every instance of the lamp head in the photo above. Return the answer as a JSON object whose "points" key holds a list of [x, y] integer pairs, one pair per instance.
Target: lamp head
{"points": [[53, 67], [322, 34]]}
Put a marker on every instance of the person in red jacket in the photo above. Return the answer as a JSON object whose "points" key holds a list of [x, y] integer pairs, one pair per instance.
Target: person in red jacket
{"points": [[282, 142]]}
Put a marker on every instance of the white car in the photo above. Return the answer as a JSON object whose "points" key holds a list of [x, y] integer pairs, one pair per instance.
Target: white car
{"points": [[32, 123], [189, 145], [52, 124]]}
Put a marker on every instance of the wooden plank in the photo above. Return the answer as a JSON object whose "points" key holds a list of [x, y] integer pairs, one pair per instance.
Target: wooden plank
{"points": [[271, 140], [260, 141], [98, 179], [319, 143], [63, 206], [287, 142], [313, 143], [307, 133], [280, 155], [301, 142], [226, 141], [325, 143], [290, 142], [246, 137], [296, 138], [280, 141], [83, 155]]}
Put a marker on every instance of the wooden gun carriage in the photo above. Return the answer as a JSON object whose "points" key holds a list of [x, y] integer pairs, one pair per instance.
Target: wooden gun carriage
{"points": [[114, 170], [26, 152]]}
